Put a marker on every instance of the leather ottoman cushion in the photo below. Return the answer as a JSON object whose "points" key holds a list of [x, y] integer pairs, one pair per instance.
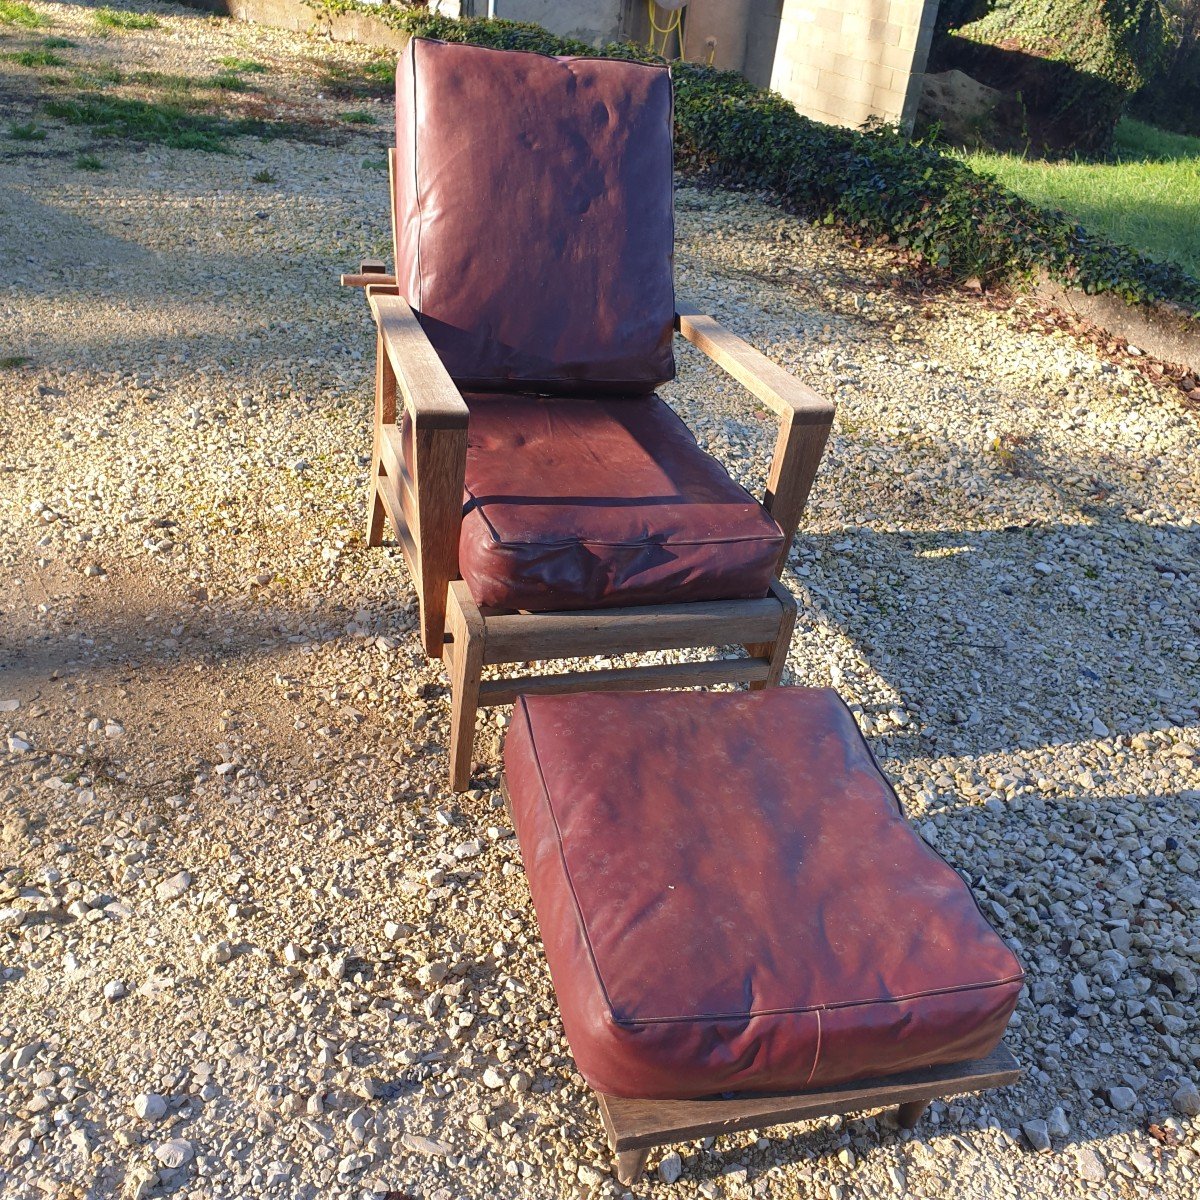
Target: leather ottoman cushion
{"points": [[534, 216], [585, 503], [731, 899]]}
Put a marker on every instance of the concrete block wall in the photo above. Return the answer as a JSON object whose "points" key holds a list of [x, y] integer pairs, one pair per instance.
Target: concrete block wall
{"points": [[843, 61]]}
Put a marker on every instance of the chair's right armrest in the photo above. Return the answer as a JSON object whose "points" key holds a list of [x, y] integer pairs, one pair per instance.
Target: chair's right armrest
{"points": [[430, 395]]}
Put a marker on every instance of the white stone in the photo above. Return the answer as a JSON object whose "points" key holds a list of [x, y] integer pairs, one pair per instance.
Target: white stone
{"points": [[174, 1153], [150, 1106]]}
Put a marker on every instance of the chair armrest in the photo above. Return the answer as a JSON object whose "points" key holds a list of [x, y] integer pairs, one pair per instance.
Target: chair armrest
{"points": [[779, 391], [429, 393], [805, 418]]}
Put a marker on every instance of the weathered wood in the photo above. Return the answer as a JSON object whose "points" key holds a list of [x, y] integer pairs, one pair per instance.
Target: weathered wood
{"points": [[439, 458], [429, 393], [626, 679], [468, 638], [642, 1124], [782, 393], [630, 1165], [387, 491], [523, 637], [776, 653], [365, 279], [805, 418]]}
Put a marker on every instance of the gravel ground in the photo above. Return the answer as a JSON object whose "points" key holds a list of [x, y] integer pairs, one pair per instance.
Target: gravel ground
{"points": [[249, 943]]}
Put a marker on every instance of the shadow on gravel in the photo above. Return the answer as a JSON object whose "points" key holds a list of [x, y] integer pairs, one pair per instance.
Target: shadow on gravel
{"points": [[1057, 633]]}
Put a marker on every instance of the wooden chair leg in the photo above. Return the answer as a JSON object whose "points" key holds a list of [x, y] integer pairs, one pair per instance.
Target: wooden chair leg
{"points": [[907, 1115], [375, 513], [776, 651], [630, 1165], [467, 634]]}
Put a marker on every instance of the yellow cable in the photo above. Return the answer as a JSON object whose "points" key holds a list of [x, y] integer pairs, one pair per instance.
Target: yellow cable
{"points": [[671, 26]]}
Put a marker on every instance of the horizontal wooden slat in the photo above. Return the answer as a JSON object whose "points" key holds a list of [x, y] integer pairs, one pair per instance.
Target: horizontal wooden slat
{"points": [[393, 504], [626, 679], [428, 390], [523, 637], [638, 1124], [391, 454], [779, 391]]}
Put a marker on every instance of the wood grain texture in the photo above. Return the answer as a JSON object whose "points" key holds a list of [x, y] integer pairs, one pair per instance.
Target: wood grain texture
{"points": [[651, 678], [524, 637], [365, 279], [779, 391], [641, 1124], [429, 393], [468, 637], [805, 418]]}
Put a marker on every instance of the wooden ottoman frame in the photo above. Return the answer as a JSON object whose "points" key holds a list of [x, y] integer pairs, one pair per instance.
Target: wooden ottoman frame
{"points": [[635, 1127]]}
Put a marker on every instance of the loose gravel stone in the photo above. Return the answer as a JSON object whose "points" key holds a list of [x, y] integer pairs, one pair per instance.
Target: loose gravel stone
{"points": [[150, 1106]]}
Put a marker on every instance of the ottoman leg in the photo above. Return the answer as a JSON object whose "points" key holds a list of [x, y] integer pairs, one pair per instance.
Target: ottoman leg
{"points": [[907, 1115], [467, 633], [630, 1165]]}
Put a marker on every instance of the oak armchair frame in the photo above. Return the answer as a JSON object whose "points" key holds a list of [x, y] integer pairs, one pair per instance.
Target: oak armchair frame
{"points": [[420, 494]]}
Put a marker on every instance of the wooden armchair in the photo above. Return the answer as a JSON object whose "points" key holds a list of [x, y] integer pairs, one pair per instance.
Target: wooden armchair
{"points": [[547, 510]]}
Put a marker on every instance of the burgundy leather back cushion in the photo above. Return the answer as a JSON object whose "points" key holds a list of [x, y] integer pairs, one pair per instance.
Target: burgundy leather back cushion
{"points": [[534, 218]]}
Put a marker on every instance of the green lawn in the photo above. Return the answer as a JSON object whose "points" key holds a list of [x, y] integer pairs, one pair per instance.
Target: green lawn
{"points": [[1149, 198]]}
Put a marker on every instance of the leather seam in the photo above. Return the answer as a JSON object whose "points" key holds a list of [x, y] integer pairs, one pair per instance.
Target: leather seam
{"points": [[827, 1007], [583, 929], [816, 1053]]}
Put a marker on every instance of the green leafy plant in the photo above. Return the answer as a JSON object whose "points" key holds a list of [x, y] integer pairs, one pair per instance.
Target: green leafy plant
{"points": [[227, 81], [36, 58], [10, 362], [118, 18], [88, 162], [57, 43], [178, 123], [874, 185], [242, 66], [14, 13], [263, 176], [357, 117], [26, 132]]}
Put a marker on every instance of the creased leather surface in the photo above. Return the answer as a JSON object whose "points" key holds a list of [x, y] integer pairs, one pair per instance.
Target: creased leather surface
{"points": [[732, 901], [587, 503], [534, 217]]}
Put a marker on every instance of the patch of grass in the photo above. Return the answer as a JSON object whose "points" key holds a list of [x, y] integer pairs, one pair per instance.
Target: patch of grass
{"points": [[36, 58], [167, 80], [374, 164], [1147, 198], [58, 43], [10, 362], [100, 74], [242, 66], [14, 13], [376, 79], [357, 117], [88, 162], [180, 125], [26, 132], [263, 176], [117, 18], [227, 81]]}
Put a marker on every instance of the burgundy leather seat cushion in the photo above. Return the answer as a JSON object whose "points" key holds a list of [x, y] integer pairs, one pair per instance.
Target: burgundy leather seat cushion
{"points": [[534, 217], [584, 503], [731, 899]]}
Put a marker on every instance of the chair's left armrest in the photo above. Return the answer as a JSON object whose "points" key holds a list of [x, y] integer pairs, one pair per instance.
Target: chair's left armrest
{"points": [[372, 272], [805, 416]]}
